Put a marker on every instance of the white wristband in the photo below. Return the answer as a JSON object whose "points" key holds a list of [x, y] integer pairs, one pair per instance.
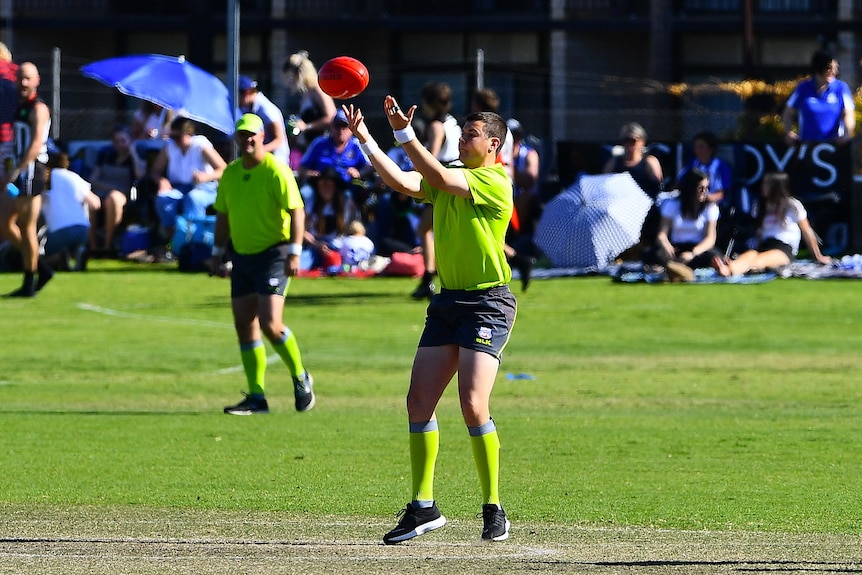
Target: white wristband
{"points": [[217, 251], [405, 135], [294, 249], [369, 147]]}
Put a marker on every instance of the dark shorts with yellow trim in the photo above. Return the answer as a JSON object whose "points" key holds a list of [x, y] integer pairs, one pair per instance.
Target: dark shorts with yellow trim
{"points": [[480, 320], [261, 273]]}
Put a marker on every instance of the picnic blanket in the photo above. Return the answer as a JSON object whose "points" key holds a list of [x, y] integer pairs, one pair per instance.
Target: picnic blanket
{"points": [[634, 273], [848, 267]]}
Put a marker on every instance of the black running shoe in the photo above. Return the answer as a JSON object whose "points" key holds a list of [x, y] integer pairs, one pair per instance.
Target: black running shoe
{"points": [[414, 522], [303, 392], [45, 273], [43, 280], [251, 405], [22, 291], [28, 287], [496, 526]]}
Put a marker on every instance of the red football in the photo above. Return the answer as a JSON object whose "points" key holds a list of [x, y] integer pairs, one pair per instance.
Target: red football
{"points": [[343, 77]]}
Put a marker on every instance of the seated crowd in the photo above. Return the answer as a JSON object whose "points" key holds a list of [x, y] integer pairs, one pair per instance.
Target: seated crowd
{"points": [[173, 173]]}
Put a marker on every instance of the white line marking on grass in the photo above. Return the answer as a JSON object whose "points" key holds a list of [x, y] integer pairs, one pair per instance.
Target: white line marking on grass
{"points": [[274, 358], [305, 550], [129, 315]]}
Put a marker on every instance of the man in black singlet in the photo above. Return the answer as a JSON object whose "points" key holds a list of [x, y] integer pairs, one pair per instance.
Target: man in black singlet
{"points": [[28, 172]]}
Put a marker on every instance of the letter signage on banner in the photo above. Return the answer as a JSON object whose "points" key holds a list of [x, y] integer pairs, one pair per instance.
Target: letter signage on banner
{"points": [[821, 176]]}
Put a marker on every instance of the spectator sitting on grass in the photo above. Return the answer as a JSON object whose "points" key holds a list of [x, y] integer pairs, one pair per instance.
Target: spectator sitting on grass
{"points": [[781, 223], [355, 247], [65, 208], [332, 209]]}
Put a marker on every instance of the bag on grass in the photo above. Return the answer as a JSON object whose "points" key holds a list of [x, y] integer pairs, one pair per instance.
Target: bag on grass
{"points": [[193, 242]]}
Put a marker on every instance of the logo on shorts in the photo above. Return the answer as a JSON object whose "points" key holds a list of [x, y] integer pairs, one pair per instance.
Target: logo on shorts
{"points": [[273, 285], [483, 336]]}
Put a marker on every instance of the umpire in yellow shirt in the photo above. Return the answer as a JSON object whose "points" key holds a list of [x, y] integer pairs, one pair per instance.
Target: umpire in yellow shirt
{"points": [[467, 325], [260, 211]]}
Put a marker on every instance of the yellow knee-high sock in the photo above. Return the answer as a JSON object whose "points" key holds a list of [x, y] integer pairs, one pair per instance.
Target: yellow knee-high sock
{"points": [[486, 454], [253, 356], [424, 445], [288, 349]]}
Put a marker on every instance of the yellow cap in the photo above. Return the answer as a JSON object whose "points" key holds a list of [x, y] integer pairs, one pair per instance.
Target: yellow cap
{"points": [[250, 123]]}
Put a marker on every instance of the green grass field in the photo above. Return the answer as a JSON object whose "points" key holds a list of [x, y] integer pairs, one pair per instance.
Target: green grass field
{"points": [[718, 408]]}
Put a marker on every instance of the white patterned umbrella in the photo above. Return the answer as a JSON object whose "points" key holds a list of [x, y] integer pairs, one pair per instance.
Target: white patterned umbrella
{"points": [[593, 221]]}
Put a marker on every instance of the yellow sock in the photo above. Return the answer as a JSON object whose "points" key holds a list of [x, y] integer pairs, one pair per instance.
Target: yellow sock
{"points": [[288, 349], [486, 454], [424, 445], [254, 364]]}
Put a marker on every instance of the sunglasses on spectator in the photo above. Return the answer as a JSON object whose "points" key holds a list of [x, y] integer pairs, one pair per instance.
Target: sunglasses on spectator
{"points": [[629, 140]]}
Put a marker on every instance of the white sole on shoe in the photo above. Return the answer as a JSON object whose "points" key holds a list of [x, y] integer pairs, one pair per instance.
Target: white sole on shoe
{"points": [[505, 534], [420, 530]]}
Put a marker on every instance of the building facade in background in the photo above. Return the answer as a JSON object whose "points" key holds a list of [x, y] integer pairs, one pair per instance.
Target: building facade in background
{"points": [[571, 71]]}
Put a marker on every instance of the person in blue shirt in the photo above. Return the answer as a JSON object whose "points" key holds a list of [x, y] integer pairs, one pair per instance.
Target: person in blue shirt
{"points": [[340, 150], [704, 145], [822, 106]]}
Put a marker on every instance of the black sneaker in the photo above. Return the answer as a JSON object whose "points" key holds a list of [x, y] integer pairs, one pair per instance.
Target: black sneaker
{"points": [[414, 522], [22, 291], [45, 273], [248, 406], [27, 289], [303, 392], [496, 526], [44, 278]]}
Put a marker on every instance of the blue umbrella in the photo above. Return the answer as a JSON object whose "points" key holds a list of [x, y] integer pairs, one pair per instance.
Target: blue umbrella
{"points": [[593, 221], [170, 82]]}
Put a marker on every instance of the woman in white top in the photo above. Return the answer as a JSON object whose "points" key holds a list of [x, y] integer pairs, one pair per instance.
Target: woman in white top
{"points": [[782, 224], [66, 209], [687, 231], [187, 171], [442, 134], [442, 131]]}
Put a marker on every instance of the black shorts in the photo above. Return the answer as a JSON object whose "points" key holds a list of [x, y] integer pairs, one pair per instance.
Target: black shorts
{"points": [[480, 320], [774, 244], [261, 273], [31, 182]]}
